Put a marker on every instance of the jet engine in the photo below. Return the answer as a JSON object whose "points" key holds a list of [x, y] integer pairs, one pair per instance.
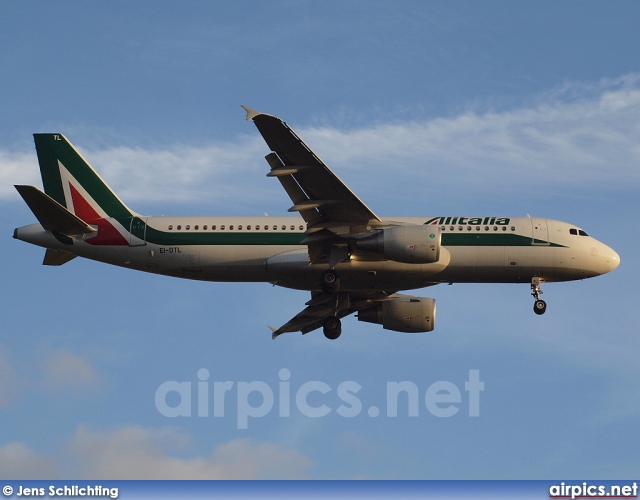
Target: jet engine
{"points": [[407, 244], [402, 313]]}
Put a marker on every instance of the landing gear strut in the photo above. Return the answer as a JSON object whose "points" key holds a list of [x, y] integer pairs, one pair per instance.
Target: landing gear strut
{"points": [[332, 327], [539, 306], [330, 284]]}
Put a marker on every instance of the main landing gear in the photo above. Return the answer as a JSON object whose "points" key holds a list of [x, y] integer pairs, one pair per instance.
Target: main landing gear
{"points": [[332, 327], [330, 284], [539, 306]]}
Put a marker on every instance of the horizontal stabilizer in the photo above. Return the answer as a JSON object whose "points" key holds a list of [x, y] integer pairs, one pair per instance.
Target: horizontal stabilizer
{"points": [[56, 257], [51, 215]]}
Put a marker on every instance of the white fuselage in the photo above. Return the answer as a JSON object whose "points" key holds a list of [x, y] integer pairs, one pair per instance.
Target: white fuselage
{"points": [[269, 249]]}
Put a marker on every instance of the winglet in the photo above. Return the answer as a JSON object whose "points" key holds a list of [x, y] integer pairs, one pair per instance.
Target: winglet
{"points": [[274, 335], [251, 113]]}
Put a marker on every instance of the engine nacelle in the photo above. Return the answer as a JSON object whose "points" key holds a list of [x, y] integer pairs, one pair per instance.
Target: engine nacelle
{"points": [[403, 313], [407, 244]]}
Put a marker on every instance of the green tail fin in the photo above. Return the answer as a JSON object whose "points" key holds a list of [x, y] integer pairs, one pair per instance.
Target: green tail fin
{"points": [[72, 182]]}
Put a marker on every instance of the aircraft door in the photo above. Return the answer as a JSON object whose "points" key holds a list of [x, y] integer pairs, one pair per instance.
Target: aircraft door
{"points": [[539, 232], [138, 231]]}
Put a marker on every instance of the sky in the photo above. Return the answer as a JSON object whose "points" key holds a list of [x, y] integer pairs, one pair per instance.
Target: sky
{"points": [[421, 108]]}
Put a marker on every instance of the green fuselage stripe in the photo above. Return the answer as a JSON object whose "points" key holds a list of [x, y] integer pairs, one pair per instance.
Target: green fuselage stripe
{"points": [[158, 237], [490, 240], [221, 238]]}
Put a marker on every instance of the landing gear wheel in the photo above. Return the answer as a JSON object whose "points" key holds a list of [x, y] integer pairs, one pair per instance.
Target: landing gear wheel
{"points": [[329, 282], [332, 327], [539, 306]]}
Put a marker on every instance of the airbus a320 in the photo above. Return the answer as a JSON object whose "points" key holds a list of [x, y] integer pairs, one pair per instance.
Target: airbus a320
{"points": [[336, 247]]}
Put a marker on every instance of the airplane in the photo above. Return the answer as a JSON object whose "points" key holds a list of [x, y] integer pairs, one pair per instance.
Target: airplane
{"points": [[337, 248]]}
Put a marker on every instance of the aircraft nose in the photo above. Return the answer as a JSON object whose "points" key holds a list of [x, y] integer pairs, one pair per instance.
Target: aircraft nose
{"points": [[611, 259]]}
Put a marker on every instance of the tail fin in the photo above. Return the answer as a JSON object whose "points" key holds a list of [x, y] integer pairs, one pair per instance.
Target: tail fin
{"points": [[70, 181]]}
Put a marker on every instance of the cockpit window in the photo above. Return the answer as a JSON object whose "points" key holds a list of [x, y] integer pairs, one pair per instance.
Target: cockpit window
{"points": [[575, 231]]}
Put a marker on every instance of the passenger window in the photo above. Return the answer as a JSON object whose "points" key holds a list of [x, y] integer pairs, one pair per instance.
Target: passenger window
{"points": [[504, 228], [204, 228], [293, 227], [513, 228], [179, 227], [301, 227], [187, 227], [249, 227], [468, 228], [213, 228], [170, 227], [196, 227], [477, 228], [275, 228], [460, 228], [240, 228], [495, 228], [222, 227], [231, 228]]}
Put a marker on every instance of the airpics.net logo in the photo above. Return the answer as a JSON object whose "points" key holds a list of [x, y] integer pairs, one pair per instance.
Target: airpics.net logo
{"points": [[314, 399]]}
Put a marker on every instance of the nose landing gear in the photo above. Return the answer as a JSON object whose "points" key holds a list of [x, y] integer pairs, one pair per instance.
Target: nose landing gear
{"points": [[539, 306]]}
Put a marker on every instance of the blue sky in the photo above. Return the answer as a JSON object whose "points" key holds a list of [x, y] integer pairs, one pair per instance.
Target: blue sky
{"points": [[422, 108]]}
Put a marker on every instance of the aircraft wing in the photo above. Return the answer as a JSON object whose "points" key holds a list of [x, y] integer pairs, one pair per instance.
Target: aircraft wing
{"points": [[322, 199], [323, 305]]}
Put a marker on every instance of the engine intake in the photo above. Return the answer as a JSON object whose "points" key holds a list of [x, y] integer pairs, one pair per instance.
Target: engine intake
{"points": [[402, 313], [408, 244]]}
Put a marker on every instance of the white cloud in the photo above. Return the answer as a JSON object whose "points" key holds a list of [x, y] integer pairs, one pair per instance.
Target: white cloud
{"points": [[136, 452], [579, 134], [67, 370], [18, 461], [17, 168], [10, 382], [141, 453], [60, 370], [589, 141], [179, 173]]}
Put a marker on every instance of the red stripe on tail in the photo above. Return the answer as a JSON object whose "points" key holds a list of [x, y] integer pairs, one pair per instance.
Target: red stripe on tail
{"points": [[107, 233]]}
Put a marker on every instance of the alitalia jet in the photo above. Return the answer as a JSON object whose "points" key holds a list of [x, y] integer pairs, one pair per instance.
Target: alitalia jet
{"points": [[350, 259]]}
